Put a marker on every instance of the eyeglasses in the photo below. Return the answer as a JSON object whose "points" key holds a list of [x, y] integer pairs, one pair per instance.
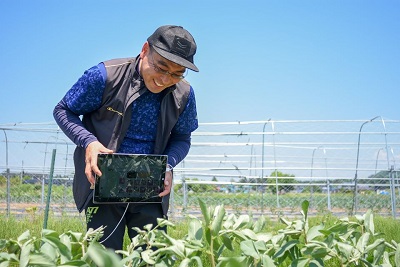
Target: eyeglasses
{"points": [[165, 72]]}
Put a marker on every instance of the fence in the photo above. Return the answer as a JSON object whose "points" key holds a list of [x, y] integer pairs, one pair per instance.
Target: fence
{"points": [[261, 167]]}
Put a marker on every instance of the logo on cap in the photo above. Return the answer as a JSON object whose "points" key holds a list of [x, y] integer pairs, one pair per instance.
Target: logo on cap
{"points": [[181, 47]]}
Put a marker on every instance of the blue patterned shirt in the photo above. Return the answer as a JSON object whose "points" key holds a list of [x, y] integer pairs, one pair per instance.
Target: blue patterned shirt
{"points": [[86, 94]]}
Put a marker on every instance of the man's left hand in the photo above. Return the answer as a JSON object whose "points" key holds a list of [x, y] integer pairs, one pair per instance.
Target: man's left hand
{"points": [[167, 184]]}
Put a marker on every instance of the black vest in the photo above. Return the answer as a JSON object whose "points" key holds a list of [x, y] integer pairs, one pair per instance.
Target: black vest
{"points": [[111, 121]]}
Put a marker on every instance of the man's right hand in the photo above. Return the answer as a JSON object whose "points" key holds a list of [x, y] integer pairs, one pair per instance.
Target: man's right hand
{"points": [[92, 150]]}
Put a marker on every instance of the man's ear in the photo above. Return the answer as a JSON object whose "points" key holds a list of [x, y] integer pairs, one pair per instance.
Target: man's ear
{"points": [[145, 50]]}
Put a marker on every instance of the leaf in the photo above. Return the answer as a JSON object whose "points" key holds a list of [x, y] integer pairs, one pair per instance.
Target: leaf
{"points": [[283, 220], [337, 228], [313, 232], [247, 247], [300, 262], [397, 256], [40, 260], [249, 233], [226, 241], [300, 225], [102, 257], [367, 263], [148, 227], [62, 248], [25, 252], [3, 243], [198, 260], [195, 231], [369, 222], [362, 242], [229, 221], [239, 235], [287, 246], [304, 207], [219, 214], [66, 240], [75, 263], [204, 211], [316, 263], [161, 222], [315, 250], [24, 236], [185, 262], [345, 249], [265, 237], [50, 251], [146, 256], [233, 262], [259, 224], [178, 249], [267, 261], [74, 236], [378, 253], [242, 221], [374, 245]]}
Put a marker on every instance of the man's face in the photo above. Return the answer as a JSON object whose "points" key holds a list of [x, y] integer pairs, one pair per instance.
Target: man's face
{"points": [[158, 73]]}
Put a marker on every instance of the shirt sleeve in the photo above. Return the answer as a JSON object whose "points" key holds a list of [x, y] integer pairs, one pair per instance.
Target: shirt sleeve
{"points": [[187, 122], [84, 96], [180, 140]]}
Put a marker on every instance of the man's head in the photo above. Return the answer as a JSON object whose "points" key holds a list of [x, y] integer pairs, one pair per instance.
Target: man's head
{"points": [[175, 44], [165, 57]]}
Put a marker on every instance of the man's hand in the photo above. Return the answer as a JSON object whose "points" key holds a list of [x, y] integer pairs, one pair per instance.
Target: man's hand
{"points": [[92, 150], [167, 184]]}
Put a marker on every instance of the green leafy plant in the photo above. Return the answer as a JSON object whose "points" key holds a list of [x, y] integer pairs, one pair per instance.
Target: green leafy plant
{"points": [[217, 239], [51, 249]]}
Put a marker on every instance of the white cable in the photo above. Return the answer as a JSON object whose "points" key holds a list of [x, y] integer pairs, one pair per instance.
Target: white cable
{"points": [[123, 215]]}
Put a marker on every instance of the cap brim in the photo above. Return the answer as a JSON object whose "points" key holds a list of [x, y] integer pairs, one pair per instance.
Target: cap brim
{"points": [[176, 59]]}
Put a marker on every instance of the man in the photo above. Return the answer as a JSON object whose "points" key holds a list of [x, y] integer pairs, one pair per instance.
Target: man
{"points": [[138, 105]]}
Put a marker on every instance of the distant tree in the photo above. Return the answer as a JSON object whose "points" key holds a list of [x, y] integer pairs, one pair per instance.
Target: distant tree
{"points": [[383, 175], [283, 179], [198, 188], [243, 180]]}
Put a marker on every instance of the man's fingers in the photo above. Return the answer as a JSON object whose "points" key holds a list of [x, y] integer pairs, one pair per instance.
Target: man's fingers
{"points": [[91, 168], [89, 173], [165, 192], [167, 185]]}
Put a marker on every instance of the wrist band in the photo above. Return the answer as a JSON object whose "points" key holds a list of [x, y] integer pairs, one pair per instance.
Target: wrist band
{"points": [[169, 168]]}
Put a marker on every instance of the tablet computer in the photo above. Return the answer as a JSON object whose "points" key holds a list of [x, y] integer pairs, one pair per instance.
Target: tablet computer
{"points": [[130, 178]]}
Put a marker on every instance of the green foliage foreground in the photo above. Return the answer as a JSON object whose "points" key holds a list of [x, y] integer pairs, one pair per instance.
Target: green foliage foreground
{"points": [[208, 242]]}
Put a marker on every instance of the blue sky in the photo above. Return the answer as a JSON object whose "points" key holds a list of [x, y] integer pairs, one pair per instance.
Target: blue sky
{"points": [[284, 60]]}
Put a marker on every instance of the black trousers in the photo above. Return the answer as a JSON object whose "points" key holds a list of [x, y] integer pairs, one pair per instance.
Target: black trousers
{"points": [[137, 215]]}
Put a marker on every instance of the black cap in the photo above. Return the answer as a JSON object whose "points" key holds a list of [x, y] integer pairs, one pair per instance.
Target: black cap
{"points": [[175, 44]]}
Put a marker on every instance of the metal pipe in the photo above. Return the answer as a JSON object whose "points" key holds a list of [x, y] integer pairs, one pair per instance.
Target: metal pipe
{"points": [[8, 177], [355, 204], [46, 212], [262, 168]]}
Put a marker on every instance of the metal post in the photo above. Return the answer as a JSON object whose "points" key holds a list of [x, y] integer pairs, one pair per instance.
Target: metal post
{"points": [[328, 182], [43, 176], [276, 171], [184, 186], [262, 168], [355, 200], [46, 212], [8, 178], [392, 191], [311, 174]]}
